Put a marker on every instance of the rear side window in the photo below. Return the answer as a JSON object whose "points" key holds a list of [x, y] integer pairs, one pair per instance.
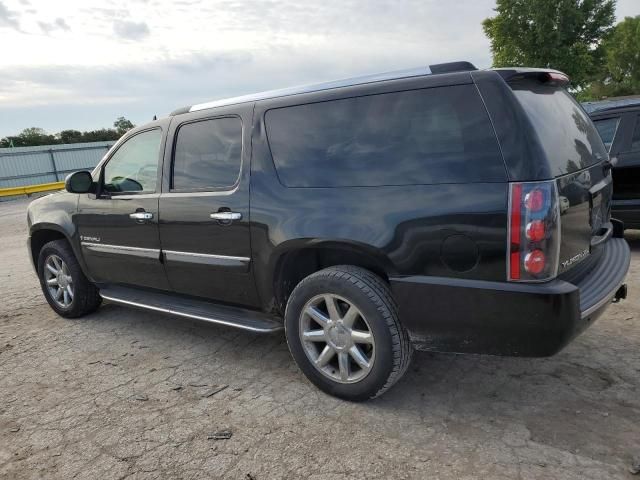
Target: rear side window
{"points": [[607, 128], [635, 141], [428, 136], [207, 154], [566, 133]]}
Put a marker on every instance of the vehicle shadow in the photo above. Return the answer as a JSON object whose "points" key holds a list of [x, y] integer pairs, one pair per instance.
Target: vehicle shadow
{"points": [[584, 399], [584, 372], [633, 238]]}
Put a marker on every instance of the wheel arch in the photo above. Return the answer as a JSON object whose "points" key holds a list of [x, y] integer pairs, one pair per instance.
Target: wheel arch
{"points": [[43, 233], [298, 259]]}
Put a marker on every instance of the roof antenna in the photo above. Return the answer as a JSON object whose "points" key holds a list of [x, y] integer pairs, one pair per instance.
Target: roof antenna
{"points": [[155, 117]]}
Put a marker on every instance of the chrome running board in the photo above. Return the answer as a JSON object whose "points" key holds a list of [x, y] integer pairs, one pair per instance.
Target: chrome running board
{"points": [[236, 317]]}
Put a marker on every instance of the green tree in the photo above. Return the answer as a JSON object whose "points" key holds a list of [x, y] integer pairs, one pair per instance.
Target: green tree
{"points": [[123, 125], [28, 137], [8, 142], [566, 35], [37, 136], [101, 135], [70, 136], [621, 69]]}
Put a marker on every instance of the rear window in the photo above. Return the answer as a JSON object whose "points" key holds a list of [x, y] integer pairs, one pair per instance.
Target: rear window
{"points": [[207, 154], [607, 128], [428, 136], [566, 133]]}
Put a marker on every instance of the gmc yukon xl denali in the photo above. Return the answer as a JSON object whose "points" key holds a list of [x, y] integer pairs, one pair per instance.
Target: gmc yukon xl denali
{"points": [[442, 209]]}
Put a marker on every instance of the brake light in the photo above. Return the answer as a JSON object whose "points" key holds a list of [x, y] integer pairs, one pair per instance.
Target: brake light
{"points": [[534, 262], [534, 231], [555, 78], [534, 200], [516, 197]]}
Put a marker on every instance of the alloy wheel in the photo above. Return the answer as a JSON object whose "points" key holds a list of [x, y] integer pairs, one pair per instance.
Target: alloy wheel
{"points": [[337, 338], [58, 281]]}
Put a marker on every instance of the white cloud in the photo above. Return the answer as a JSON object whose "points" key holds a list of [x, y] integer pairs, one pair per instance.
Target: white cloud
{"points": [[8, 18], [147, 57], [57, 24], [130, 30]]}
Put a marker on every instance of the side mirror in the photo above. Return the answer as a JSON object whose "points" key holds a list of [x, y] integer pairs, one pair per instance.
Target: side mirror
{"points": [[79, 182]]}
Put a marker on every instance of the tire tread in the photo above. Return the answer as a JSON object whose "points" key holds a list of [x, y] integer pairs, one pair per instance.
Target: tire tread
{"points": [[380, 295], [86, 294]]}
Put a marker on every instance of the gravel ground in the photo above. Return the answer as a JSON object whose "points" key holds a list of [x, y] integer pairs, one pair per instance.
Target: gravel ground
{"points": [[130, 394]]}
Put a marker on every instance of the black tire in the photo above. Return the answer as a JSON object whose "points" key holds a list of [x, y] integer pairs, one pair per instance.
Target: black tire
{"points": [[371, 295], [86, 298]]}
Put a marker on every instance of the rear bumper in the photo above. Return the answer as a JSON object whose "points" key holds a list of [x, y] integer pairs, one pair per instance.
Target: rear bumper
{"points": [[500, 318], [628, 211]]}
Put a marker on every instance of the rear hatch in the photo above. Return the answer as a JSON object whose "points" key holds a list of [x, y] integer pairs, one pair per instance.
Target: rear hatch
{"points": [[577, 161]]}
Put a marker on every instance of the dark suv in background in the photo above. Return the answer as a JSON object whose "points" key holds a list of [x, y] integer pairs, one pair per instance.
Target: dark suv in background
{"points": [[443, 208], [618, 122]]}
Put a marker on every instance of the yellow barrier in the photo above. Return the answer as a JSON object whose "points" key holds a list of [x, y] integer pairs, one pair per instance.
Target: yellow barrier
{"points": [[29, 189]]}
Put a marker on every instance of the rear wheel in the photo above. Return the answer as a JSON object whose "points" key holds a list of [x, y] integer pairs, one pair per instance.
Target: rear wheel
{"points": [[65, 287], [343, 331]]}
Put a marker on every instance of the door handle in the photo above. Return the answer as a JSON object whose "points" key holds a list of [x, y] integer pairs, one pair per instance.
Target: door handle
{"points": [[141, 215], [226, 216]]}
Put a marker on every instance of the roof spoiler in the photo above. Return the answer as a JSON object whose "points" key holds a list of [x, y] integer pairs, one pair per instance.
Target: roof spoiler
{"points": [[546, 76], [452, 67]]}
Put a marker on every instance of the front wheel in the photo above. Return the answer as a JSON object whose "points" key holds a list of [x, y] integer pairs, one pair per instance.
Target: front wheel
{"points": [[67, 290], [343, 331]]}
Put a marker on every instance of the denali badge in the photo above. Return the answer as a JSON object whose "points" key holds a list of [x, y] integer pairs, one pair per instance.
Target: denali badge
{"points": [[575, 258], [85, 238]]}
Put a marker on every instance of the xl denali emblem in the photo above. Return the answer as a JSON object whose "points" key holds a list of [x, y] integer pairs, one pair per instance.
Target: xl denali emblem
{"points": [[85, 238], [575, 258]]}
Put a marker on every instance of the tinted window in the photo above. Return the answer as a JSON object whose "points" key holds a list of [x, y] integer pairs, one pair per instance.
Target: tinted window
{"points": [[207, 154], [607, 128], [134, 166], [566, 133], [437, 135], [635, 141]]}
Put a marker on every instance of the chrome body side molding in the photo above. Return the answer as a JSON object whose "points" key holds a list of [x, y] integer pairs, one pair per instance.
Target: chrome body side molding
{"points": [[205, 258], [121, 250], [169, 255]]}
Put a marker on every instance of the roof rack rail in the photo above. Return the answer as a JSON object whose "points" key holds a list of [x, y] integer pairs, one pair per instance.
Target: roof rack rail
{"points": [[452, 67]]}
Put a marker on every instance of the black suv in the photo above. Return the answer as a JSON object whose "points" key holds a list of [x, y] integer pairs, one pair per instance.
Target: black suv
{"points": [[443, 209], [618, 122]]}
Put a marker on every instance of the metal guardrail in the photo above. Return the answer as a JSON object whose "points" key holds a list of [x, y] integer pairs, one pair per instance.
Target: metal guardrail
{"points": [[41, 164], [29, 189]]}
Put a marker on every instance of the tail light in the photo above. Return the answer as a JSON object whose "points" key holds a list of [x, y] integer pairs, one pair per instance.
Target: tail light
{"points": [[534, 231]]}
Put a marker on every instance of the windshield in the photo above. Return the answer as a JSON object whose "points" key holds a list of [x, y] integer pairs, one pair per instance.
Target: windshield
{"points": [[567, 134]]}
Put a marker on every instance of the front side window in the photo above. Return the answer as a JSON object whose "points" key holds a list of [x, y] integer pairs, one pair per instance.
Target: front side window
{"points": [[607, 128], [134, 166], [429, 136], [208, 154]]}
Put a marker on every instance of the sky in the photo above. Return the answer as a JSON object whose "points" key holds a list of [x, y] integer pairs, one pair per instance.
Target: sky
{"points": [[81, 64]]}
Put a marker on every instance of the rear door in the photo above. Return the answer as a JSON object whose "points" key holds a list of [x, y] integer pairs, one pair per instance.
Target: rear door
{"points": [[576, 157], [204, 206]]}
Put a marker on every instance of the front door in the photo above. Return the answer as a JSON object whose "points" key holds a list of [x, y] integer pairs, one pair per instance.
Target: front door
{"points": [[204, 207], [118, 226]]}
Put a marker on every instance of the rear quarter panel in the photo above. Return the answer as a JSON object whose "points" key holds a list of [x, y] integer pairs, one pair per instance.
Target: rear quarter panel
{"points": [[409, 230]]}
